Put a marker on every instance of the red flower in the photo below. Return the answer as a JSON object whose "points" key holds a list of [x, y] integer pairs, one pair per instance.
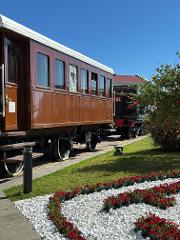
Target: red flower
{"points": [[81, 238], [154, 196], [72, 234], [157, 228], [68, 229], [68, 225]]}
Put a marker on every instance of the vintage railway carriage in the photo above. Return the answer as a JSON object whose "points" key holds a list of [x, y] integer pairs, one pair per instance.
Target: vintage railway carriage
{"points": [[49, 93]]}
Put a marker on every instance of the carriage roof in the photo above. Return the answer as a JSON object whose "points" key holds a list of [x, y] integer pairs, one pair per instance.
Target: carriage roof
{"points": [[27, 32]]}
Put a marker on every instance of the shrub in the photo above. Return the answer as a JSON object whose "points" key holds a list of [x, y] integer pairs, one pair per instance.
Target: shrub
{"points": [[165, 134], [161, 99]]}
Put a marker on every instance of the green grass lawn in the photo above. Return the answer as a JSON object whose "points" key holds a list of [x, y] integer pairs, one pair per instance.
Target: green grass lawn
{"points": [[140, 157]]}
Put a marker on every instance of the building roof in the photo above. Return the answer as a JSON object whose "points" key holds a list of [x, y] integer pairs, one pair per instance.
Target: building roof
{"points": [[127, 79], [27, 32]]}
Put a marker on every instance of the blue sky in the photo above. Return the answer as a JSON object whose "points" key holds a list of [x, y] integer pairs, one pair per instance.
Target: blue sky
{"points": [[131, 36]]}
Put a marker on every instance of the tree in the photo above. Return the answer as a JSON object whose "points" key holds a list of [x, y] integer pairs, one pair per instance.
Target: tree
{"points": [[161, 99]]}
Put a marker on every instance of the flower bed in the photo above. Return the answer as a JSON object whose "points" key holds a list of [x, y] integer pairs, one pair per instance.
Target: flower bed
{"points": [[154, 196], [66, 227], [157, 228]]}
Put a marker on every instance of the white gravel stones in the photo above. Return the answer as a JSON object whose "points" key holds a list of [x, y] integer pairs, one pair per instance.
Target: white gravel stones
{"points": [[35, 210], [85, 212]]}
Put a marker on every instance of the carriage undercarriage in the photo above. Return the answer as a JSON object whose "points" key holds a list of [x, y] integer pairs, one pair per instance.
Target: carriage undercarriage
{"points": [[59, 147]]}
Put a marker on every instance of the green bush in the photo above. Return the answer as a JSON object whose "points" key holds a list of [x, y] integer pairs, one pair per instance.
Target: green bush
{"points": [[165, 134], [161, 99]]}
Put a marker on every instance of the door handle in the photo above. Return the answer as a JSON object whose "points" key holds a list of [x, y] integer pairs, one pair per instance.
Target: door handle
{"points": [[7, 99], [3, 91]]}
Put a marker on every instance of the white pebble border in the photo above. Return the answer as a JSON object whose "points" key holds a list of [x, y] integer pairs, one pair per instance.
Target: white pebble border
{"points": [[85, 212]]}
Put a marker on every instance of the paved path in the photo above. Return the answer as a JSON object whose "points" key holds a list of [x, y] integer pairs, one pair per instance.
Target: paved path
{"points": [[14, 226]]}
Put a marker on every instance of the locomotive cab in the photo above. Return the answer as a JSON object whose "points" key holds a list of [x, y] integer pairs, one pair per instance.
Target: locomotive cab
{"points": [[126, 117]]}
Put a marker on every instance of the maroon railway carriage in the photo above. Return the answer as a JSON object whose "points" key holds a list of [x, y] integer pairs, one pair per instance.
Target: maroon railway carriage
{"points": [[49, 93]]}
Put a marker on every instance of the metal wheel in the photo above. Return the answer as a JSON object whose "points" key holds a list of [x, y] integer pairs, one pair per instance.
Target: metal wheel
{"points": [[128, 133], [140, 130], [61, 149], [91, 146], [13, 169]]}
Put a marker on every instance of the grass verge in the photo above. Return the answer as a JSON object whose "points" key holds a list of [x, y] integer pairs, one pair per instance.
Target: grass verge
{"points": [[140, 157]]}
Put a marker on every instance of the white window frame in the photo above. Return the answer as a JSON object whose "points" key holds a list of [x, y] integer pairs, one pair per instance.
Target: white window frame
{"points": [[73, 78]]}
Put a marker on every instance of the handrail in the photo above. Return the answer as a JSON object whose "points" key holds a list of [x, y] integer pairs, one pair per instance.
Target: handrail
{"points": [[114, 103], [3, 91]]}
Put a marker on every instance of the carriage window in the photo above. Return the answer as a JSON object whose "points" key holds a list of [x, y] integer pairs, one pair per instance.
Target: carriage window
{"points": [[102, 86], [59, 74], [73, 80], [109, 87], [11, 63], [42, 70], [84, 80], [94, 83]]}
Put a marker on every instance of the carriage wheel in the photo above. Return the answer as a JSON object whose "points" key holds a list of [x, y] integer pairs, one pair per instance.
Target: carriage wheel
{"points": [[61, 149], [91, 146], [13, 169]]}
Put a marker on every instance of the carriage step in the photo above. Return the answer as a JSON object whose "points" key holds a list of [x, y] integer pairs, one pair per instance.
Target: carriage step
{"points": [[10, 147], [13, 134], [15, 159], [109, 130], [19, 158]]}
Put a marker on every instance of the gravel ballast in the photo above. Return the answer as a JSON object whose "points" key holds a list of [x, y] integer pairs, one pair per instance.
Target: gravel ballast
{"points": [[85, 212]]}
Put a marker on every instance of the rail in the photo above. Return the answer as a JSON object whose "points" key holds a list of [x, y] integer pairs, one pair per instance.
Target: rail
{"points": [[3, 91]]}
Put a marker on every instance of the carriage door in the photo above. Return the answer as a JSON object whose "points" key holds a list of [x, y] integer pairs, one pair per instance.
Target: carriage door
{"points": [[10, 86], [2, 112]]}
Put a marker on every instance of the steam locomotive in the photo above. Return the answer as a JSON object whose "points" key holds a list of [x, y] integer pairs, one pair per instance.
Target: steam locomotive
{"points": [[127, 118]]}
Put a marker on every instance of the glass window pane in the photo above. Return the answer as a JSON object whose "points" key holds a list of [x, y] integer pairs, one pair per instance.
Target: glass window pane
{"points": [[42, 70], [73, 81], [59, 74], [84, 80], [94, 83], [102, 86], [11, 64], [109, 87]]}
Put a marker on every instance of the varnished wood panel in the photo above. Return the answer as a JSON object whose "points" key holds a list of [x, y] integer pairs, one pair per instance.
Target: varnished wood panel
{"points": [[51, 107], [11, 114]]}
